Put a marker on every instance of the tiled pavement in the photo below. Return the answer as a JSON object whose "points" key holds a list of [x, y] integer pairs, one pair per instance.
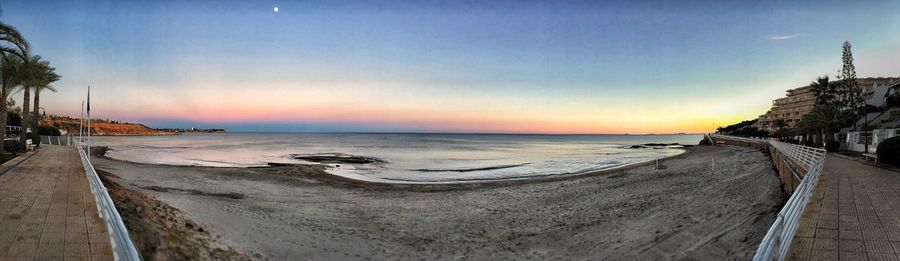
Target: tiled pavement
{"points": [[853, 215], [47, 210]]}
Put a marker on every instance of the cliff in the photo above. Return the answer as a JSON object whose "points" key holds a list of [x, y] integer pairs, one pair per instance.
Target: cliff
{"points": [[100, 128]]}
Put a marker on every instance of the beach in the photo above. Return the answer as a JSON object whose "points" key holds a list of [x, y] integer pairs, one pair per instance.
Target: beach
{"points": [[691, 209]]}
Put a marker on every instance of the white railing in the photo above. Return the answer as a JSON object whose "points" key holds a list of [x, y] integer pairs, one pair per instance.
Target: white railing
{"points": [[735, 138], [123, 247], [806, 156], [777, 242]]}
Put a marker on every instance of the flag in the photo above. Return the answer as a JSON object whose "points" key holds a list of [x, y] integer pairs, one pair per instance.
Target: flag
{"points": [[89, 99]]}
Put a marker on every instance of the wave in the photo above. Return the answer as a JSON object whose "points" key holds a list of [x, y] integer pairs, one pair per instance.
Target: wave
{"points": [[472, 169]]}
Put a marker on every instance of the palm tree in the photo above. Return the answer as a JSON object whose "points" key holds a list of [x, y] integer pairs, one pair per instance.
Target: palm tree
{"points": [[46, 76], [10, 78], [810, 128], [12, 42], [12, 46], [823, 90], [32, 75], [825, 117]]}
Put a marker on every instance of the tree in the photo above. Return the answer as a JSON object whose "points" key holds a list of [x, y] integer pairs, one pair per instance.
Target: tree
{"points": [[45, 76], [826, 118], [12, 42], [780, 123], [851, 95], [32, 75], [12, 46], [823, 90], [783, 132]]}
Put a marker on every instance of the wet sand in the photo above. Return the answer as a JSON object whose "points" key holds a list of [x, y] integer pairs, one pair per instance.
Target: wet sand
{"points": [[687, 210]]}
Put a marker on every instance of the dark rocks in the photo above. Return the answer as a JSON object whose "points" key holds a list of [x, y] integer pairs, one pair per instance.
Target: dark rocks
{"points": [[336, 158]]}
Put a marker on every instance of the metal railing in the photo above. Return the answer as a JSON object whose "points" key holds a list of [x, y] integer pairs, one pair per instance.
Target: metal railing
{"points": [[777, 242], [735, 138], [123, 247], [806, 156]]}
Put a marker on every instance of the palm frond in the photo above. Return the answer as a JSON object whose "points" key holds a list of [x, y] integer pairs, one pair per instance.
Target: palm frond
{"points": [[10, 34]]}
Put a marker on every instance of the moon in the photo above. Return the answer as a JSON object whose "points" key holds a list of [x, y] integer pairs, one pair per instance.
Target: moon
{"points": [[275, 9]]}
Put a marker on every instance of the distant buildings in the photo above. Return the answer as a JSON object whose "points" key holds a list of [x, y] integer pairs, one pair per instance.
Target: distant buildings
{"points": [[800, 101], [193, 130]]}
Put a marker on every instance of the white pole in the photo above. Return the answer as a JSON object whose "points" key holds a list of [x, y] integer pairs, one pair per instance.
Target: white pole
{"points": [[89, 122], [81, 124]]}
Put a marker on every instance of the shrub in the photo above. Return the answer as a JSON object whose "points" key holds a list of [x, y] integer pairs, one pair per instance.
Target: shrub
{"points": [[48, 131], [13, 119], [889, 151], [11, 145], [810, 143], [893, 101], [832, 145], [35, 139]]}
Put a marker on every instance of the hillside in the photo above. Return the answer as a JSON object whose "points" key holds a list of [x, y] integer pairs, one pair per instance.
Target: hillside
{"points": [[100, 128]]}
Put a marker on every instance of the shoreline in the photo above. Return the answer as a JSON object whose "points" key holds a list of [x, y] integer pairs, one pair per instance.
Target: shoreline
{"points": [[684, 211], [430, 186]]}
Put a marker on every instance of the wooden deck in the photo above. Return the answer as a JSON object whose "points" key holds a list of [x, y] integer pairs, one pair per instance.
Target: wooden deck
{"points": [[47, 210]]}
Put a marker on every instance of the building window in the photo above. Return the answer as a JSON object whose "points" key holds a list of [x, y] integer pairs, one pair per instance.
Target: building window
{"points": [[865, 138], [842, 138]]}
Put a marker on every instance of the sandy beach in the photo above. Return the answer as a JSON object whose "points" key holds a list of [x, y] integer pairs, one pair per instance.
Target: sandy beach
{"points": [[688, 210]]}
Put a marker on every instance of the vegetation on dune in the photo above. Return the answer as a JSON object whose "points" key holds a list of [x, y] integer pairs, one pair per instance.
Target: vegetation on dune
{"points": [[744, 128]]}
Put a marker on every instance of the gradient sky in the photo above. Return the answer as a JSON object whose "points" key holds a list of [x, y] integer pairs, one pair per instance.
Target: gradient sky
{"points": [[447, 66]]}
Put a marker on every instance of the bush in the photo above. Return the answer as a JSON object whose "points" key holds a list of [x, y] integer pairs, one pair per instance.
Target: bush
{"points": [[13, 119], [868, 109], [893, 101], [810, 143], [11, 145], [832, 145], [48, 131], [889, 151], [35, 139]]}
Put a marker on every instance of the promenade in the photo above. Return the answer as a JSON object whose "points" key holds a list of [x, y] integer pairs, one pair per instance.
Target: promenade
{"points": [[854, 215], [47, 210]]}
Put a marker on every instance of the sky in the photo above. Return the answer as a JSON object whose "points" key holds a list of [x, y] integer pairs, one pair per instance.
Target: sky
{"points": [[447, 66]]}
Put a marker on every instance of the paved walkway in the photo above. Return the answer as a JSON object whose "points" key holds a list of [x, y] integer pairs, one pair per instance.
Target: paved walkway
{"points": [[47, 210], [853, 215]]}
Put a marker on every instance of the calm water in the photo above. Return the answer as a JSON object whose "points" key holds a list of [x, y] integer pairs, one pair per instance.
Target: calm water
{"points": [[409, 157]]}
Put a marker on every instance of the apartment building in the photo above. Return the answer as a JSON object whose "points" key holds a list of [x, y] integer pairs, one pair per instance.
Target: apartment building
{"points": [[799, 101]]}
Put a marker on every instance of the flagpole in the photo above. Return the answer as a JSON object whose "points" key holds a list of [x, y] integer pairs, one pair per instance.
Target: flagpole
{"points": [[89, 122], [81, 124]]}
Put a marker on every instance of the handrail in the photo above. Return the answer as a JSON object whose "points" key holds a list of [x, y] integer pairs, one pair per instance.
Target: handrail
{"points": [[744, 139], [777, 242], [123, 247]]}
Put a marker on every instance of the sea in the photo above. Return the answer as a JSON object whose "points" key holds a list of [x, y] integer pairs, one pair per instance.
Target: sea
{"points": [[403, 157]]}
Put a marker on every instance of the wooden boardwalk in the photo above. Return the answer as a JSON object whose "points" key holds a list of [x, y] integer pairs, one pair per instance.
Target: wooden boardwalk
{"points": [[854, 215], [47, 210]]}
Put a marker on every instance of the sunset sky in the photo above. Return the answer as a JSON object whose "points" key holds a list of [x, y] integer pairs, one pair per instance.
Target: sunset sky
{"points": [[447, 66]]}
